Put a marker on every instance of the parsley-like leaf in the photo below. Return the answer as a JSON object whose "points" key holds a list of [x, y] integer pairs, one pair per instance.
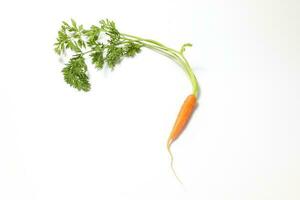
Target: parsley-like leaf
{"points": [[132, 49], [98, 58], [75, 74], [113, 56], [70, 37]]}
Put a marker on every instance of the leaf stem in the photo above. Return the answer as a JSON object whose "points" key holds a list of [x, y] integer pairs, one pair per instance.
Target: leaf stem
{"points": [[175, 55]]}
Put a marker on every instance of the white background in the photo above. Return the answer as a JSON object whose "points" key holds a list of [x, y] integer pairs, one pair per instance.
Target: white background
{"points": [[242, 142]]}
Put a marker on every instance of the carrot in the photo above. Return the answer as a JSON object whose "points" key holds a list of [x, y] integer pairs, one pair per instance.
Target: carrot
{"points": [[183, 117], [119, 45]]}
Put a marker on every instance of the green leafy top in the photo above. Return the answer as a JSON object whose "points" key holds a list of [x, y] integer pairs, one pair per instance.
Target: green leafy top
{"points": [[106, 46], [92, 42]]}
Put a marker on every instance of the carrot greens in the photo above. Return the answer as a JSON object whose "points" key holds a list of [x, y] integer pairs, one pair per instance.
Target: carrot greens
{"points": [[106, 46]]}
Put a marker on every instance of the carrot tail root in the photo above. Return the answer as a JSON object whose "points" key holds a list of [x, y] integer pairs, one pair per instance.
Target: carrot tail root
{"points": [[172, 163]]}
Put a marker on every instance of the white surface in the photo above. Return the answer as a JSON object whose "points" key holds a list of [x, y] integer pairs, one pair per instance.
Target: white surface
{"points": [[242, 142]]}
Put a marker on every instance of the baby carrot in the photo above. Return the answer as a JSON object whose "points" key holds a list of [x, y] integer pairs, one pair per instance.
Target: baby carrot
{"points": [[183, 117]]}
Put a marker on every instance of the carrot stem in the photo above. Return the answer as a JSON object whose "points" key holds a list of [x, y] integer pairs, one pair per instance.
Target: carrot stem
{"points": [[175, 55]]}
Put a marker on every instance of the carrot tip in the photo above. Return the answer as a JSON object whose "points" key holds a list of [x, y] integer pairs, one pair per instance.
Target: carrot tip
{"points": [[172, 164]]}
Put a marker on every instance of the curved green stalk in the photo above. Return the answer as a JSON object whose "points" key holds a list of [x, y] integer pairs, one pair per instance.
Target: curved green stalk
{"points": [[175, 55]]}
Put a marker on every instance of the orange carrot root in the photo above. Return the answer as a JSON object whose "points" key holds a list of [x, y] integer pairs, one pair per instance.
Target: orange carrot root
{"points": [[183, 117]]}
